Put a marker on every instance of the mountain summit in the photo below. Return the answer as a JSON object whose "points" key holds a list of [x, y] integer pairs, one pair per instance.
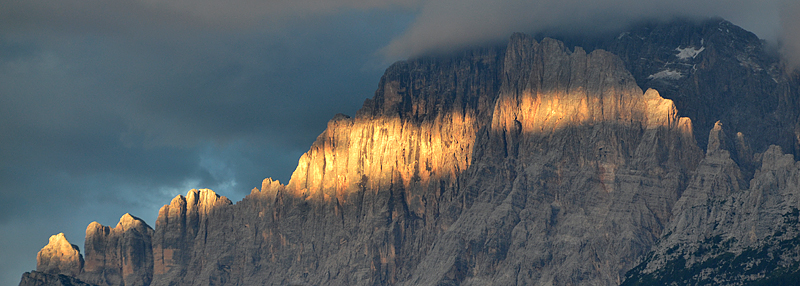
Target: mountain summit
{"points": [[530, 164]]}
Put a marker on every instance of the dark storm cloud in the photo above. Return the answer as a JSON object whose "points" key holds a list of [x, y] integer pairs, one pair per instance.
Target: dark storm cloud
{"points": [[103, 113], [790, 33], [109, 107], [151, 17], [445, 24]]}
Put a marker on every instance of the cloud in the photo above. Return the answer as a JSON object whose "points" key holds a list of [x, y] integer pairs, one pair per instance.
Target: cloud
{"points": [[439, 25], [105, 115], [442, 25], [151, 17], [790, 33], [110, 107]]}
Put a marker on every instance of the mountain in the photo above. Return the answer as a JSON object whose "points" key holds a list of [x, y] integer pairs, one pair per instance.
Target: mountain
{"points": [[726, 232], [532, 163]]}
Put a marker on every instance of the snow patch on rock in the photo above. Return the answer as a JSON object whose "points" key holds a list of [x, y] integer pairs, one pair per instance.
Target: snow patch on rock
{"points": [[689, 52], [666, 74]]}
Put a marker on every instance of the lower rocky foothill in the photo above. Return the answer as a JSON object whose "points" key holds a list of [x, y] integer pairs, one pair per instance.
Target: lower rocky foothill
{"points": [[661, 156]]}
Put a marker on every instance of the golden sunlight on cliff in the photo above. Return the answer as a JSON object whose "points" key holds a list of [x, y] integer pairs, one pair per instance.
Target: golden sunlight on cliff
{"points": [[196, 201], [549, 112], [534, 115], [59, 257], [549, 89], [378, 152], [360, 153]]}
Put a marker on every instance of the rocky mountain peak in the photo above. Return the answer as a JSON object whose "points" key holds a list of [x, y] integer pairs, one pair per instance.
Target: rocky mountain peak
{"points": [[204, 200], [546, 87], [128, 221], [775, 159], [59, 257], [714, 71], [661, 112], [119, 256], [269, 187], [717, 142], [529, 164]]}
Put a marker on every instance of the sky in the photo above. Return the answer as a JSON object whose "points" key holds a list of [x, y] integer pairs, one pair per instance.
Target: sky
{"points": [[113, 107]]}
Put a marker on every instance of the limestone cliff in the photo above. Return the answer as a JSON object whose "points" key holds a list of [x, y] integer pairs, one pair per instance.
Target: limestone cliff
{"points": [[362, 206], [57, 264], [428, 182], [122, 255], [183, 229], [716, 71], [572, 180], [729, 232], [529, 164]]}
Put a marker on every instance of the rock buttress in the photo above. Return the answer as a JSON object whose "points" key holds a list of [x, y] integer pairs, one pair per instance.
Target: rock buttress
{"points": [[59, 257], [459, 170], [573, 180], [122, 255], [727, 231], [184, 229]]}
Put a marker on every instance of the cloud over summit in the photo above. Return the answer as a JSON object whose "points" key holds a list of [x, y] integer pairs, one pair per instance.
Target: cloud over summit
{"points": [[437, 25], [790, 33], [111, 106], [444, 24]]}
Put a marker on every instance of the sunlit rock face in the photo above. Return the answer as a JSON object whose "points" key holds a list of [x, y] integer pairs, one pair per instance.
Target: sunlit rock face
{"points": [[362, 208], [416, 135], [122, 255], [425, 188], [572, 181], [59, 257], [529, 164]]}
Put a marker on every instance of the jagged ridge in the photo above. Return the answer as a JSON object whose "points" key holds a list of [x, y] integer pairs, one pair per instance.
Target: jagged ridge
{"points": [[533, 164]]}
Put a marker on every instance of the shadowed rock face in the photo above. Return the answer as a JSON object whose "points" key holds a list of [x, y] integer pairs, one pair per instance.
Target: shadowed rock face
{"points": [[443, 176], [727, 231], [362, 207], [36, 278], [122, 255], [571, 182], [532, 164], [183, 231], [716, 71]]}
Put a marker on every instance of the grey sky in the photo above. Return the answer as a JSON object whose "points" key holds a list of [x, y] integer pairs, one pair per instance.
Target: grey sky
{"points": [[108, 107]]}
